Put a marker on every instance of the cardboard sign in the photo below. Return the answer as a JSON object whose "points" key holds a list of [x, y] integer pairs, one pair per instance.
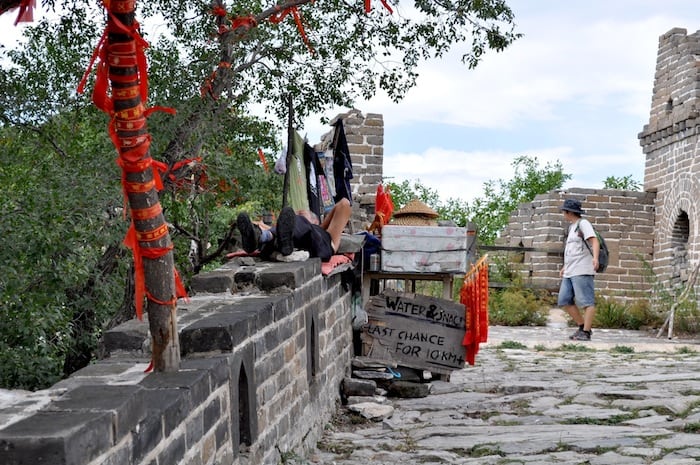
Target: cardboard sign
{"points": [[415, 330]]}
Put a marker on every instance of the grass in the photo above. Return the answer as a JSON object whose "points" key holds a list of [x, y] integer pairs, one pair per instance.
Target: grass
{"points": [[575, 348], [511, 345], [623, 349]]}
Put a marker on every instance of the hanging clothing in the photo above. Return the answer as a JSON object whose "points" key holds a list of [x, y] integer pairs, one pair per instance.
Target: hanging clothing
{"points": [[325, 190], [313, 170], [342, 163], [298, 179]]}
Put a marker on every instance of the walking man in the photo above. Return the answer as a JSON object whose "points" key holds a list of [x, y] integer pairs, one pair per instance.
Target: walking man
{"points": [[577, 290]]}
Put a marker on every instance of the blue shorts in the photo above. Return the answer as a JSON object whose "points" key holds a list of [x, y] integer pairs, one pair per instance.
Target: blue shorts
{"points": [[577, 290]]}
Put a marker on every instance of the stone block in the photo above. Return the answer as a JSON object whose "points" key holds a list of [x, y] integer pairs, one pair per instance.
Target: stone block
{"points": [[213, 282], [358, 387], [408, 389], [126, 404], [216, 366], [193, 383], [288, 275], [212, 413], [171, 405], [146, 438], [194, 430], [220, 332], [128, 336], [67, 438], [174, 452]]}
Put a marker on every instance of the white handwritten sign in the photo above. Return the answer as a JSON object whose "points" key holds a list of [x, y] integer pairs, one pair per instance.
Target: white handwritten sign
{"points": [[415, 331]]}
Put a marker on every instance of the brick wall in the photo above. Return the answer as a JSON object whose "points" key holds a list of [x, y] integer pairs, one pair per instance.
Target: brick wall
{"points": [[671, 145], [264, 348], [624, 218]]}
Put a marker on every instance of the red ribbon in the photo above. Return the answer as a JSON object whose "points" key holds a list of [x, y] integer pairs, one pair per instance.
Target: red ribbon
{"points": [[261, 154], [244, 21], [100, 94], [279, 17], [26, 12], [368, 6]]}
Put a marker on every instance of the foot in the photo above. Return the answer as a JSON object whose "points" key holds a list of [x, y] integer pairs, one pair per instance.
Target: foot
{"points": [[250, 233], [581, 335], [285, 231]]}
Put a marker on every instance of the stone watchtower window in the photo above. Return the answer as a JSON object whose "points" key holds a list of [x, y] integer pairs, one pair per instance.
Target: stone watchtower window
{"points": [[679, 240], [669, 105]]}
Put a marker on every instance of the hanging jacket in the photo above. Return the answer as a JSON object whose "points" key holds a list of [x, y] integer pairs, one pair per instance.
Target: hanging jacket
{"points": [[342, 163]]}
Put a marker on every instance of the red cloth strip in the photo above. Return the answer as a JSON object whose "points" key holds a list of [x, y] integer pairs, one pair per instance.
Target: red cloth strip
{"points": [[368, 6], [244, 21], [153, 235], [122, 61], [122, 6], [147, 213], [263, 160], [126, 93], [26, 12], [128, 142], [130, 113], [138, 187], [279, 17], [130, 125]]}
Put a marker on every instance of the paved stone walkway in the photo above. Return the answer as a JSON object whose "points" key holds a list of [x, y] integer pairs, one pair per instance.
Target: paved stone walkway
{"points": [[626, 397]]}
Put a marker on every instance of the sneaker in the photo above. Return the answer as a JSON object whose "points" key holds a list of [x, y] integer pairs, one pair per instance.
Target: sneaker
{"points": [[284, 234], [581, 335], [250, 233]]}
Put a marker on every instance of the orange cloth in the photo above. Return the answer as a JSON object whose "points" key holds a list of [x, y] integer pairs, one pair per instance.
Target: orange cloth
{"points": [[474, 295]]}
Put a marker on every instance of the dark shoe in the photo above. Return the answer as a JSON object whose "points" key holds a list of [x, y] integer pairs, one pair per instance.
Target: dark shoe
{"points": [[284, 234], [250, 233], [581, 335]]}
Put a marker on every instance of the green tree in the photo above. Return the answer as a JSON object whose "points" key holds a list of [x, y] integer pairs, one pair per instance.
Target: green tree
{"points": [[455, 210], [500, 198], [491, 211], [61, 189], [625, 183]]}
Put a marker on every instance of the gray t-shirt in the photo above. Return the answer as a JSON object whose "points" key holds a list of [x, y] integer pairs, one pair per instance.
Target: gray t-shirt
{"points": [[577, 259]]}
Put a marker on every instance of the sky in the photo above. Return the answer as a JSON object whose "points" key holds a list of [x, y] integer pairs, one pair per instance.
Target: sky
{"points": [[576, 88]]}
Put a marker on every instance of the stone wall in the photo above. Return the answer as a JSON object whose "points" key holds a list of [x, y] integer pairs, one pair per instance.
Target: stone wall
{"points": [[670, 142], [624, 218], [265, 348]]}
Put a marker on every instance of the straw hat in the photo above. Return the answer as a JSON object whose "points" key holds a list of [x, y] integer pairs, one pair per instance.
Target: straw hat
{"points": [[416, 207], [415, 213], [414, 220]]}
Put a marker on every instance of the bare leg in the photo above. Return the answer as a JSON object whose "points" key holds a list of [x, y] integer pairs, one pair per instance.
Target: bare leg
{"points": [[575, 314], [588, 318], [336, 221]]}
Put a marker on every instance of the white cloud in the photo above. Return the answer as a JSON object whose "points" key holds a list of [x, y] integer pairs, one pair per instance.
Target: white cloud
{"points": [[460, 174], [580, 79]]}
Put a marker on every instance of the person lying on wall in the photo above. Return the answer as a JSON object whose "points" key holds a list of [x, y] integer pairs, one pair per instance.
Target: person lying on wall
{"points": [[296, 230]]}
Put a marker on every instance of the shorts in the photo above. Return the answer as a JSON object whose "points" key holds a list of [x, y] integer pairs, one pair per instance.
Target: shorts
{"points": [[577, 290]]}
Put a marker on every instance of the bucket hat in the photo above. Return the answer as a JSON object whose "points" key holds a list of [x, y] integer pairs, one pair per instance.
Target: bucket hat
{"points": [[573, 206]]}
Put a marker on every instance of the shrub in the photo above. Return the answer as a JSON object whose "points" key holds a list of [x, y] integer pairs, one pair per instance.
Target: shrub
{"points": [[612, 313], [516, 307], [687, 317]]}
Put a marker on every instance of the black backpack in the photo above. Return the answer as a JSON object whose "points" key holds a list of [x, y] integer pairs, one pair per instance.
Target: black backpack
{"points": [[603, 254]]}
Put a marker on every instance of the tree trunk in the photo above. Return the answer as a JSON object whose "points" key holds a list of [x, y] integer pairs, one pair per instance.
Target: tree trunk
{"points": [[148, 236]]}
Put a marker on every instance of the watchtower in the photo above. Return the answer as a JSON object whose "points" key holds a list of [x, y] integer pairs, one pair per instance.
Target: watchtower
{"points": [[670, 142]]}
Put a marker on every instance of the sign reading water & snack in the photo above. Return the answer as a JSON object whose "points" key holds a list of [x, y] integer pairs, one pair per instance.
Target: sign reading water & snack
{"points": [[415, 330]]}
